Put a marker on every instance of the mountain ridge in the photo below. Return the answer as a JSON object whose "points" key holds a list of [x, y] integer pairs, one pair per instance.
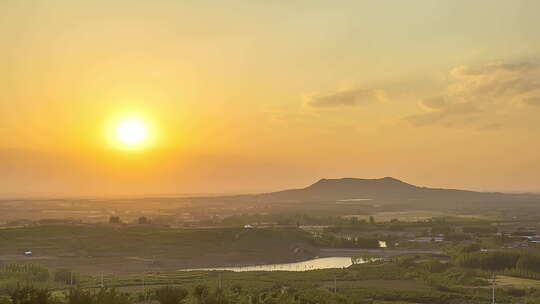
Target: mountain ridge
{"points": [[372, 189]]}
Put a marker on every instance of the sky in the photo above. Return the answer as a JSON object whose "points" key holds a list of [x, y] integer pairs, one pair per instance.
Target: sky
{"points": [[254, 96]]}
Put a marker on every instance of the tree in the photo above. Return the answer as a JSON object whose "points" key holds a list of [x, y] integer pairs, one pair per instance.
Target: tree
{"points": [[170, 295], [493, 260], [143, 220], [371, 219], [480, 229], [5, 300], [111, 296], [217, 297], [443, 228], [200, 292], [66, 276], [529, 262], [435, 266], [30, 295], [468, 248], [79, 296], [114, 220], [103, 296]]}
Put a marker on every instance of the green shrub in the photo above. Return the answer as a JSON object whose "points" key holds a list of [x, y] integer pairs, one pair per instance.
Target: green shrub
{"points": [[170, 295]]}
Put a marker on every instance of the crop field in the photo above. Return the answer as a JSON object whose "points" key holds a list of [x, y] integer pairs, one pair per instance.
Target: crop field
{"points": [[507, 281]]}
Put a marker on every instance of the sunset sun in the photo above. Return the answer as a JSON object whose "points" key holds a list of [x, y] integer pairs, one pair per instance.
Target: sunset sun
{"points": [[132, 132]]}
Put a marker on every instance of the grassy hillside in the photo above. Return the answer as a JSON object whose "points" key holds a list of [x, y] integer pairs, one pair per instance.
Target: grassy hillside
{"points": [[150, 247]]}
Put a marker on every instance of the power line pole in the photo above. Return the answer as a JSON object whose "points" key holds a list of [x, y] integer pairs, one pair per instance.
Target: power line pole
{"points": [[335, 284], [219, 288], [493, 289], [144, 287]]}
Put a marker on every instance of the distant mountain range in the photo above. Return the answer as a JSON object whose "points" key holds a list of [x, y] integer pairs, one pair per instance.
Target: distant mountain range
{"points": [[386, 188]]}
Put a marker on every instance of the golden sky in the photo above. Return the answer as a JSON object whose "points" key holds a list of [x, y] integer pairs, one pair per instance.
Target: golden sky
{"points": [[248, 96]]}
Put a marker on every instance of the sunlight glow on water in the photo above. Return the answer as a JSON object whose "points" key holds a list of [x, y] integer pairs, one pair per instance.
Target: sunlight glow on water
{"points": [[318, 263]]}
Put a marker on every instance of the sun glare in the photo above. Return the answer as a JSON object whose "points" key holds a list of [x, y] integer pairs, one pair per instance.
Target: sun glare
{"points": [[132, 132]]}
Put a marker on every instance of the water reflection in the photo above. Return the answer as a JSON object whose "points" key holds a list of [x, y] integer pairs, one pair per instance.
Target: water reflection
{"points": [[318, 263]]}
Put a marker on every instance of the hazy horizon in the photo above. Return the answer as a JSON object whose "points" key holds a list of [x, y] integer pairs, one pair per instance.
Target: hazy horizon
{"points": [[256, 96], [90, 196]]}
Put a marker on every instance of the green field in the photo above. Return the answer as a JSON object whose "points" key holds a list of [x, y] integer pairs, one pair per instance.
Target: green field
{"points": [[508, 281], [133, 249], [142, 261], [402, 280]]}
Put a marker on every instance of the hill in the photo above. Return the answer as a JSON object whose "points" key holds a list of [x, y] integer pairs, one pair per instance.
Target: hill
{"points": [[129, 249], [387, 188]]}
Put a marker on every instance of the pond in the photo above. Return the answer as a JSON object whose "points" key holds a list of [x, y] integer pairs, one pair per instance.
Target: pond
{"points": [[316, 263]]}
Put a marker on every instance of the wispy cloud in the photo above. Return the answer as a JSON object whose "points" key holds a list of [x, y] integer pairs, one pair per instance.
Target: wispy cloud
{"points": [[345, 98], [481, 96], [532, 101]]}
